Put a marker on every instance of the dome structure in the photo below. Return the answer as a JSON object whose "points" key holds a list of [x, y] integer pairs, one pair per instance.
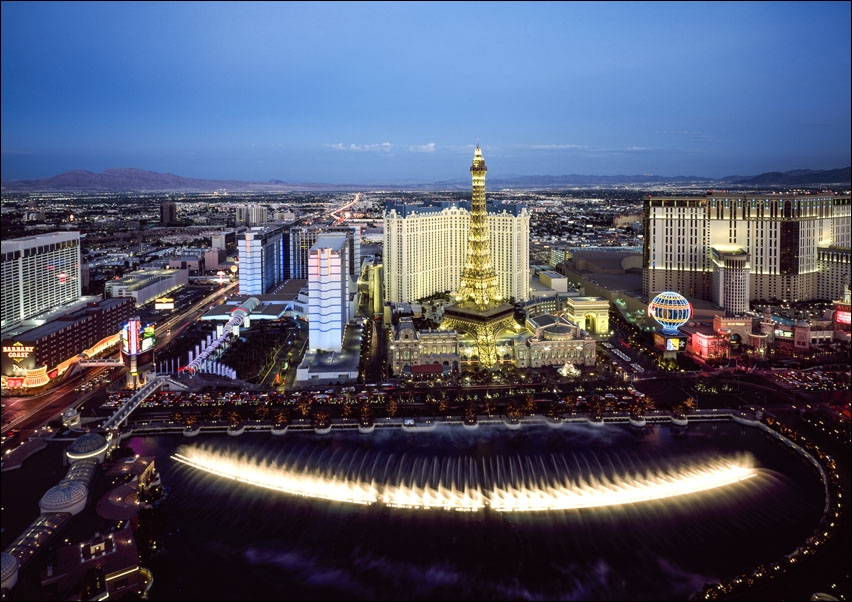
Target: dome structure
{"points": [[670, 310], [90, 445], [558, 332], [66, 496], [9, 570]]}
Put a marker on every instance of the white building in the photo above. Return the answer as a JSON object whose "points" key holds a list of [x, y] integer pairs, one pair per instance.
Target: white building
{"points": [[328, 292], [730, 280], [39, 273], [260, 255], [146, 285], [425, 247]]}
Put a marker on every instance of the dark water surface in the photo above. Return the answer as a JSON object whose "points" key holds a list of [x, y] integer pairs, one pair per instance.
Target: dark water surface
{"points": [[225, 540]]}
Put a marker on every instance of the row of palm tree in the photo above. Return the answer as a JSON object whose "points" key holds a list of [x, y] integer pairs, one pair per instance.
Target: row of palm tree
{"points": [[470, 407]]}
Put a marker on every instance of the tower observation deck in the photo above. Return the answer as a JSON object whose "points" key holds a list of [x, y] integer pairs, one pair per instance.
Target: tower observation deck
{"points": [[479, 310]]}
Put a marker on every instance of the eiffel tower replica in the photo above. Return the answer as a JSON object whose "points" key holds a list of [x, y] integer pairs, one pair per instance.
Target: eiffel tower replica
{"points": [[479, 311]]}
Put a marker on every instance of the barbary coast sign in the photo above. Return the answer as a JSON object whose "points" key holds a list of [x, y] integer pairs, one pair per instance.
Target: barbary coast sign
{"points": [[18, 351]]}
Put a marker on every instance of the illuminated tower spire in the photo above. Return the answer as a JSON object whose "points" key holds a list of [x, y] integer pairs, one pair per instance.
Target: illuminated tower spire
{"points": [[479, 313], [478, 281]]}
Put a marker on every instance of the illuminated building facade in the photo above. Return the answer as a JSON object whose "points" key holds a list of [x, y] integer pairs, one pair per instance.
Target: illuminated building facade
{"points": [[298, 245], [590, 313], [328, 292], [144, 286], [411, 351], [730, 280], [480, 311], [425, 248], [34, 357], [38, 273], [260, 256], [555, 341], [835, 269], [782, 234]]}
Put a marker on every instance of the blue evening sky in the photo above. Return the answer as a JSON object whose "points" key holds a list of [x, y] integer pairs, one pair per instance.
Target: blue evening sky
{"points": [[400, 92]]}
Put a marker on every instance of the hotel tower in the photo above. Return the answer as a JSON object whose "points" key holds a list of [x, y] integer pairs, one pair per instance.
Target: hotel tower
{"points": [[733, 248]]}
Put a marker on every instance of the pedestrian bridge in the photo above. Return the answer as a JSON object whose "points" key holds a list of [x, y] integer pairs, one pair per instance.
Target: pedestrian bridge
{"points": [[131, 404]]}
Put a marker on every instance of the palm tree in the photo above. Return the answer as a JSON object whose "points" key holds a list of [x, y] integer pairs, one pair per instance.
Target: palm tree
{"points": [[321, 419], [262, 411], [280, 417], [366, 414], [529, 403], [470, 411], [596, 407], [513, 412]]}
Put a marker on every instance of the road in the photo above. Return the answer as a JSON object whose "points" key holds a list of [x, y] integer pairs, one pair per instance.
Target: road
{"points": [[26, 414]]}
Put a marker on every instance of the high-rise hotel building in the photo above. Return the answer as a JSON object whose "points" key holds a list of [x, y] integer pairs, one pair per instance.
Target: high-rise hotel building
{"points": [[328, 291], [300, 239], [425, 247], [735, 247], [260, 259], [39, 273]]}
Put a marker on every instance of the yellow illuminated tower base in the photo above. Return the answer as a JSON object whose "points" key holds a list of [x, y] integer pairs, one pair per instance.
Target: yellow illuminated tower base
{"points": [[478, 310]]}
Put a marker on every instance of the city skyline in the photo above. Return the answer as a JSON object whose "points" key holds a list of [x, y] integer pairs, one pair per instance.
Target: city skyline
{"points": [[400, 93]]}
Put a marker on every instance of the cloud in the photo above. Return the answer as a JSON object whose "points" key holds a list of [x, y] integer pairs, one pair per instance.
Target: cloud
{"points": [[423, 148], [384, 147]]}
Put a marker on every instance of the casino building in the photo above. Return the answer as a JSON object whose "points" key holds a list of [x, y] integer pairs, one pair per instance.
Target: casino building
{"points": [[34, 357], [38, 273], [732, 248], [425, 247], [480, 253]]}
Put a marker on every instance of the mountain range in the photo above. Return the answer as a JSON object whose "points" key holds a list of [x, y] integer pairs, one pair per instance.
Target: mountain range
{"points": [[138, 180]]}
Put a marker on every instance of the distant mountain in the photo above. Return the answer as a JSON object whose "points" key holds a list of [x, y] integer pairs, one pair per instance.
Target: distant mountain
{"points": [[796, 177], [118, 180], [582, 180], [137, 180]]}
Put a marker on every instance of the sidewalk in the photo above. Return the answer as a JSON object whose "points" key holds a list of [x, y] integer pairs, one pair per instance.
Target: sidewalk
{"points": [[15, 459]]}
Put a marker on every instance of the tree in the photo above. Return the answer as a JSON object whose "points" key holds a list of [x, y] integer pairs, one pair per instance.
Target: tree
{"points": [[262, 411], [366, 413]]}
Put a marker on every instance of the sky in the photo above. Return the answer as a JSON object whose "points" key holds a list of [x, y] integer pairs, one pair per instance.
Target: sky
{"points": [[401, 92]]}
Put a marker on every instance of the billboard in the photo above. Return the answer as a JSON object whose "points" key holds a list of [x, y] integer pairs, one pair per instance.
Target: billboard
{"points": [[17, 357], [667, 342], [164, 303], [843, 315], [136, 340]]}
